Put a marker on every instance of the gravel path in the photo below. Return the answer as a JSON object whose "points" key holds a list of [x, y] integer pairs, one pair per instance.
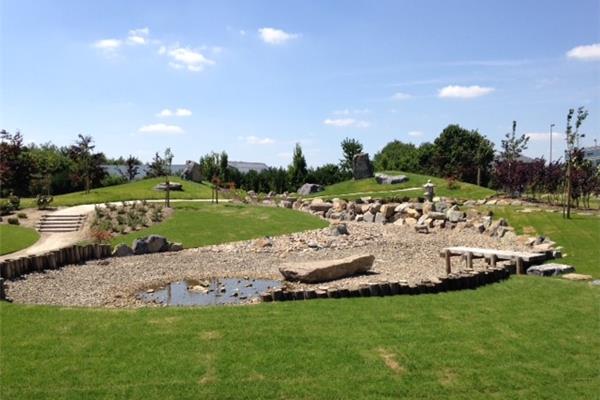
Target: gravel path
{"points": [[400, 253]]}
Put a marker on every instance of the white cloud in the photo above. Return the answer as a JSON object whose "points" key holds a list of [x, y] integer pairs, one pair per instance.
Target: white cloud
{"points": [[108, 44], [346, 123], [180, 112], [276, 36], [586, 53], [183, 57], [256, 140], [242, 32], [542, 136], [347, 111], [415, 133], [401, 96], [138, 36], [161, 129], [464, 92]]}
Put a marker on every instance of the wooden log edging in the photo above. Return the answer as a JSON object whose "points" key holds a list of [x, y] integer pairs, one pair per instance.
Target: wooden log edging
{"points": [[55, 259], [461, 280]]}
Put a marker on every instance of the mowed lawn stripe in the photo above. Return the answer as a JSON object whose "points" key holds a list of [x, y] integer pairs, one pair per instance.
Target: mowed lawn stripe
{"points": [[198, 224], [527, 338]]}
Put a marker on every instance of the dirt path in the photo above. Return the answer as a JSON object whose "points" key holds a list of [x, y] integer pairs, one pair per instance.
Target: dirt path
{"points": [[55, 240]]}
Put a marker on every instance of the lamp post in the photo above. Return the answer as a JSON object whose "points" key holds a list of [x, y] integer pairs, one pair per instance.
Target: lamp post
{"points": [[550, 159]]}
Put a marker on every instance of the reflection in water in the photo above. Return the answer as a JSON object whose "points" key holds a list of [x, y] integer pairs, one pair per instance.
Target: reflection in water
{"points": [[208, 292]]}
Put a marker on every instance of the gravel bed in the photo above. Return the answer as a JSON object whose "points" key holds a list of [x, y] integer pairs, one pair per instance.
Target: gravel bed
{"points": [[400, 253]]}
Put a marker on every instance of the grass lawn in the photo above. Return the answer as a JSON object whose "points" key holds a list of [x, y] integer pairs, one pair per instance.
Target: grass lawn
{"points": [[200, 224], [580, 236], [14, 238], [137, 190], [369, 187], [527, 338]]}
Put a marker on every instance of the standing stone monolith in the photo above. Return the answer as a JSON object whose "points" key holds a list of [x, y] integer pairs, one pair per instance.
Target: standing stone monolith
{"points": [[361, 166]]}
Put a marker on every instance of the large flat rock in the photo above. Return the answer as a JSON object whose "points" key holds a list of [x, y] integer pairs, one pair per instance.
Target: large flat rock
{"points": [[327, 270]]}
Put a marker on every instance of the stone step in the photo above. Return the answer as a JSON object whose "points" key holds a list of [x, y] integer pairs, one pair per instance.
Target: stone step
{"points": [[60, 217], [57, 230]]}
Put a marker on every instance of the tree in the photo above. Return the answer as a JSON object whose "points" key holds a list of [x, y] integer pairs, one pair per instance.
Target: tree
{"points": [[16, 165], [210, 165], [462, 154], [297, 170], [224, 166], [572, 137], [397, 156], [512, 148], [132, 165], [350, 148], [87, 166], [157, 167]]}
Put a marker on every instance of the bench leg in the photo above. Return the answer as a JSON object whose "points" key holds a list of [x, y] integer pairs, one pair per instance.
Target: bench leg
{"points": [[470, 260], [448, 262], [520, 268]]}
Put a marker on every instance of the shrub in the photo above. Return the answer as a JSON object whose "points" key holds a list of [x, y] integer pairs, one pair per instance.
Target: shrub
{"points": [[121, 220], [101, 236], [98, 211], [43, 201], [452, 184], [15, 201], [121, 210], [13, 221], [22, 215], [156, 215], [5, 207], [112, 180]]}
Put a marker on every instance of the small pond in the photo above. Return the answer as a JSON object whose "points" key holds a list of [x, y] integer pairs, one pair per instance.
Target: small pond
{"points": [[216, 291]]}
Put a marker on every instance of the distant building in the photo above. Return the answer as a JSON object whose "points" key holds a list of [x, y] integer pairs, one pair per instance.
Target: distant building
{"points": [[244, 166], [592, 153], [176, 169]]}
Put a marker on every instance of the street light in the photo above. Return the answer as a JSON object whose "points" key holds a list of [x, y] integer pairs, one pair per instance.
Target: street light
{"points": [[550, 159]]}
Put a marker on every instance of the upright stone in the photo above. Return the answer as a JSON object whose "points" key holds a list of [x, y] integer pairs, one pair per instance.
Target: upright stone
{"points": [[361, 166]]}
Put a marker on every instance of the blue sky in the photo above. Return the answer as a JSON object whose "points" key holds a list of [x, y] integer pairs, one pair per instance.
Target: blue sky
{"points": [[254, 77]]}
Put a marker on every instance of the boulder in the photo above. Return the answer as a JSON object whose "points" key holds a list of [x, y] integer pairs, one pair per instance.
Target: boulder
{"points": [[411, 212], [191, 171], [368, 217], [550, 269], [388, 209], [380, 218], [436, 215], [140, 247], [175, 247], [421, 228], [384, 179], [172, 186], [150, 244], [285, 204], [361, 166], [339, 204], [319, 205], [327, 270], [122, 250], [157, 243], [338, 229], [309, 188]]}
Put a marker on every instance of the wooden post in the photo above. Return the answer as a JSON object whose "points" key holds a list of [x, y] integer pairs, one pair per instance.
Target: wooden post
{"points": [[520, 269], [448, 262], [493, 260], [3, 270], [470, 260]]}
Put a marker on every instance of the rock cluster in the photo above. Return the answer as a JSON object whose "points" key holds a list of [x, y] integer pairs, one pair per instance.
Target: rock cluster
{"points": [[384, 179], [423, 216], [146, 245], [172, 186]]}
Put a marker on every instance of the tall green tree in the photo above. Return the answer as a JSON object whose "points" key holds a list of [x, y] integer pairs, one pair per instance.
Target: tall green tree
{"points": [[572, 137], [397, 156], [350, 147], [132, 165], [16, 165], [87, 165], [224, 166], [297, 170], [462, 154]]}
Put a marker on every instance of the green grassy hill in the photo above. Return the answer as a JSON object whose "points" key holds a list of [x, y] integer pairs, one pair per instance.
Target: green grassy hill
{"points": [[201, 224], [14, 238], [369, 187], [137, 190]]}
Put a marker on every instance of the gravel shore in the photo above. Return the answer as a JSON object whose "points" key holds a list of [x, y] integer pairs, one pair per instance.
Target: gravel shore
{"points": [[400, 253]]}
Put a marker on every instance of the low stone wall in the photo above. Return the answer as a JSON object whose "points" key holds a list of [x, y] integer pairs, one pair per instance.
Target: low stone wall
{"points": [[466, 279], [76, 254]]}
